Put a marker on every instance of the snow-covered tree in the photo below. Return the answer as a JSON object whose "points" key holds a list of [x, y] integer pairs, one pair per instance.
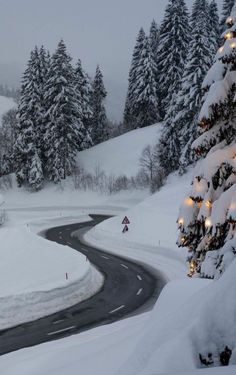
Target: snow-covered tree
{"points": [[145, 103], [83, 88], [154, 39], [207, 219], [7, 140], [64, 128], [26, 146], [226, 10], [129, 119], [214, 26], [181, 119], [172, 51], [99, 131]]}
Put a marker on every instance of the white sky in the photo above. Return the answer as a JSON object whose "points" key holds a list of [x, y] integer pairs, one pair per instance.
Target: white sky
{"points": [[97, 31]]}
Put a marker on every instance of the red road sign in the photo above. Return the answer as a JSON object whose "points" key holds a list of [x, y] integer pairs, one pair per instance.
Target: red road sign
{"points": [[126, 228], [125, 221]]}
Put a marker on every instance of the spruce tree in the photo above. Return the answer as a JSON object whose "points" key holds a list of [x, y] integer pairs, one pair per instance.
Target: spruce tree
{"points": [[99, 131], [145, 103], [83, 89], [207, 219], [172, 51], [226, 10], [154, 39], [26, 146], [65, 130], [129, 120], [214, 26]]}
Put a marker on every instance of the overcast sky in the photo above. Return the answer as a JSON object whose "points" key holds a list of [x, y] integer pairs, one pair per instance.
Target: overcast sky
{"points": [[97, 31]]}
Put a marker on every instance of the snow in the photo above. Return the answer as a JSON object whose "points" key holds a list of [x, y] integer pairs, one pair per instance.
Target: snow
{"points": [[120, 155], [190, 316]]}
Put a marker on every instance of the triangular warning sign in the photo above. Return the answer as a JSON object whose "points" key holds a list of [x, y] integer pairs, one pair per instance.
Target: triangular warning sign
{"points": [[125, 220], [126, 228]]}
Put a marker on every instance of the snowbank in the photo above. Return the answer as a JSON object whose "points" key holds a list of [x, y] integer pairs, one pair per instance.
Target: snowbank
{"points": [[152, 231], [33, 277]]}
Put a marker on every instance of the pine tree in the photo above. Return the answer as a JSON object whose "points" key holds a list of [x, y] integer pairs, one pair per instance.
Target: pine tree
{"points": [[172, 51], [207, 219], [214, 26], [65, 130], [145, 104], [203, 46], [28, 127], [129, 119], [226, 10], [99, 131], [83, 89], [154, 39]]}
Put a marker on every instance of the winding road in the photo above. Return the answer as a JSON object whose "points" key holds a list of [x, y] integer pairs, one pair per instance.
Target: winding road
{"points": [[128, 288]]}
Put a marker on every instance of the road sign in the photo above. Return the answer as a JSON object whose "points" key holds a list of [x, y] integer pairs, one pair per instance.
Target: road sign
{"points": [[125, 221], [126, 228]]}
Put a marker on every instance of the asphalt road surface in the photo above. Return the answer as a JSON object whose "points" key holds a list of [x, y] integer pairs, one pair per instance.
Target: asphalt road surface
{"points": [[128, 289]]}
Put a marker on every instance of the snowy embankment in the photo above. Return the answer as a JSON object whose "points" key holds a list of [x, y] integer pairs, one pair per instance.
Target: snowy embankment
{"points": [[152, 230], [33, 276]]}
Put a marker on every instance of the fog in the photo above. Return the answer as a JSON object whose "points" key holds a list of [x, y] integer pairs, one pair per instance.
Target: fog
{"points": [[97, 31]]}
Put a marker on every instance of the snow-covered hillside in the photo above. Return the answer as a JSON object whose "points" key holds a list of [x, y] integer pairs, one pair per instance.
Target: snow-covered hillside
{"points": [[120, 155]]}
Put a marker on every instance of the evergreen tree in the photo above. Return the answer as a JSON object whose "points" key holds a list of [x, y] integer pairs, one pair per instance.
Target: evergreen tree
{"points": [[214, 26], [129, 119], [26, 146], [207, 219], [99, 131], [154, 39], [145, 104], [172, 51], [84, 94], [226, 10], [181, 120], [65, 130]]}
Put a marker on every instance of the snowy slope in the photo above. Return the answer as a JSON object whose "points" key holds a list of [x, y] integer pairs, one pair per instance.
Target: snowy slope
{"points": [[120, 155]]}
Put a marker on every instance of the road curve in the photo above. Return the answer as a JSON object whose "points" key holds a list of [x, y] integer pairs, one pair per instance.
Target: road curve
{"points": [[128, 287]]}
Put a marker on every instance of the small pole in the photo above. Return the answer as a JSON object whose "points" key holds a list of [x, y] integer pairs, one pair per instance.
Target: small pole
{"points": [[66, 276]]}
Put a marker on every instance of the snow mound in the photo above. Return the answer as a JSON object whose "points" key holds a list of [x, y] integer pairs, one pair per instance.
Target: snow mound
{"points": [[33, 277], [120, 155]]}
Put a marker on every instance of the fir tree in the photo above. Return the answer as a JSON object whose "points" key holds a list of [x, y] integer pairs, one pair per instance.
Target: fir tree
{"points": [[129, 119], [214, 26], [99, 131], [83, 89], [145, 104], [180, 123], [65, 130], [172, 51], [207, 219], [226, 10], [28, 127], [154, 39]]}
